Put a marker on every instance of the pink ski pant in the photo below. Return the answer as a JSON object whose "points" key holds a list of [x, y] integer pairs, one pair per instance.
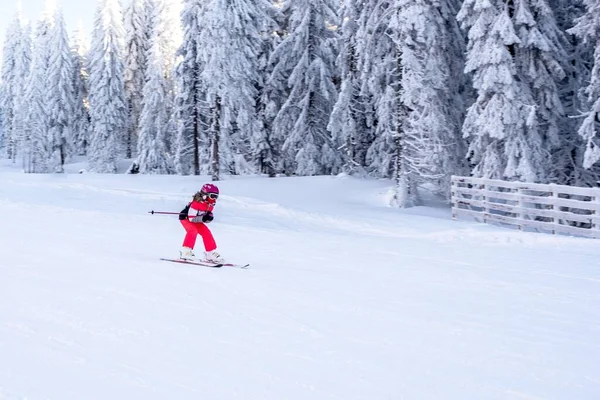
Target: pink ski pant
{"points": [[198, 228]]}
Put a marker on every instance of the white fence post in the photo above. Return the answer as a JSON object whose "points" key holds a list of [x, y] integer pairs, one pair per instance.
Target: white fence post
{"points": [[518, 215], [555, 207], [484, 198], [596, 215], [453, 195]]}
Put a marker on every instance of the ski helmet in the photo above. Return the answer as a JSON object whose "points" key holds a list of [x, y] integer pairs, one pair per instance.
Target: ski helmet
{"points": [[210, 188]]}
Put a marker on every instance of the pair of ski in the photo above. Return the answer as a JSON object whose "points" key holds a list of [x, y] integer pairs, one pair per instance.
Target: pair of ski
{"points": [[205, 263]]}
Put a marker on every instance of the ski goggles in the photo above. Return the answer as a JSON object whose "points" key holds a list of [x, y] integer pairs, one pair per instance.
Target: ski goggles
{"points": [[212, 196]]}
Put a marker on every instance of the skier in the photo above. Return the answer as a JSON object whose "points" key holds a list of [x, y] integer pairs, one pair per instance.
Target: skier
{"points": [[194, 218]]}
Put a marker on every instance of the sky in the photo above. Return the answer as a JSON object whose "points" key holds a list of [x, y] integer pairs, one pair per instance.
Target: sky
{"points": [[345, 297], [75, 11]]}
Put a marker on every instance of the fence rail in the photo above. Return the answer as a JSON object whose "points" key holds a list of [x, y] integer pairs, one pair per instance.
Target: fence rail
{"points": [[543, 207]]}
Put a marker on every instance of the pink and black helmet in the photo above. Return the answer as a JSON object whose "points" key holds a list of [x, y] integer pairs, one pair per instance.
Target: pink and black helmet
{"points": [[209, 188], [210, 192]]}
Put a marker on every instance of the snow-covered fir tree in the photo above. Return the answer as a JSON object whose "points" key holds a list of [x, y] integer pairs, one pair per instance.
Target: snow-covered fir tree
{"points": [[515, 55], [152, 154], [35, 143], [108, 109], [397, 151], [568, 158], [137, 36], [60, 96], [170, 42], [540, 58], [349, 123], [265, 146], [380, 85], [306, 60], [81, 115], [588, 29], [231, 43], [9, 88], [22, 72], [504, 126], [431, 48], [273, 95], [191, 146], [495, 115]]}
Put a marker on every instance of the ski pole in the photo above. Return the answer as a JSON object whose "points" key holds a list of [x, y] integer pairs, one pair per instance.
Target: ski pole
{"points": [[163, 212]]}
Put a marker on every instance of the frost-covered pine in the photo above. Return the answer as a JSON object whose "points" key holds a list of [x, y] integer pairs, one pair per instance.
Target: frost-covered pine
{"points": [[152, 155], [380, 86], [306, 59], [515, 55], [137, 36], [494, 116], [568, 158], [502, 119], [170, 39], [588, 29], [81, 115], [36, 151], [395, 150], [540, 59], [232, 40], [349, 123], [431, 49], [265, 146], [60, 97], [108, 110], [191, 145], [9, 86], [22, 72]]}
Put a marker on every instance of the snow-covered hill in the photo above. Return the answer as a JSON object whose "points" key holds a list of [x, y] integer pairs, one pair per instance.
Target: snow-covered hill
{"points": [[346, 298]]}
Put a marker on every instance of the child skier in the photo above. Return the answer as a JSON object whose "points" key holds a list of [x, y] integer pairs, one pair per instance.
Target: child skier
{"points": [[194, 218]]}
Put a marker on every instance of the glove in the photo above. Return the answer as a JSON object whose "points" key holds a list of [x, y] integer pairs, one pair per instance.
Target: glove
{"points": [[207, 217]]}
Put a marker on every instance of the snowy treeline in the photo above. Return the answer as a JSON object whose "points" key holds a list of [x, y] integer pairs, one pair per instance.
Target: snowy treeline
{"points": [[415, 90]]}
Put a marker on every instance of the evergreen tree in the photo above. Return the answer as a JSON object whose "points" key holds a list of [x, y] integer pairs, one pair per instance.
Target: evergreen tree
{"points": [[108, 110], [568, 158], [588, 29], [22, 69], [309, 52], [81, 115], [35, 142], [399, 149], [431, 47], [273, 95], [9, 88], [265, 146], [60, 97], [137, 35], [349, 120], [191, 144], [377, 62], [170, 40], [232, 40], [152, 154], [540, 58], [515, 54]]}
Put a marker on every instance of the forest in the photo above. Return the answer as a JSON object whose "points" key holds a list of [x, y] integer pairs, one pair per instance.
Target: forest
{"points": [[409, 90]]}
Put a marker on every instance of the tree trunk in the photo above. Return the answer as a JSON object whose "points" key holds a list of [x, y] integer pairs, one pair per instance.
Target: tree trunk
{"points": [[196, 136], [401, 178], [216, 133]]}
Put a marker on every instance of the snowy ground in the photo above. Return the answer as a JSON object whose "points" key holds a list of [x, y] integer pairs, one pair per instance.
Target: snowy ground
{"points": [[345, 299]]}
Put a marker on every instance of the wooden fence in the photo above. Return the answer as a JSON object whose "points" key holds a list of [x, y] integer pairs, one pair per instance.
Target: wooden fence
{"points": [[540, 207]]}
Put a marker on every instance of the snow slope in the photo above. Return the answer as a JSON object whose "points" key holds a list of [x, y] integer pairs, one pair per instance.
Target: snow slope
{"points": [[345, 299]]}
